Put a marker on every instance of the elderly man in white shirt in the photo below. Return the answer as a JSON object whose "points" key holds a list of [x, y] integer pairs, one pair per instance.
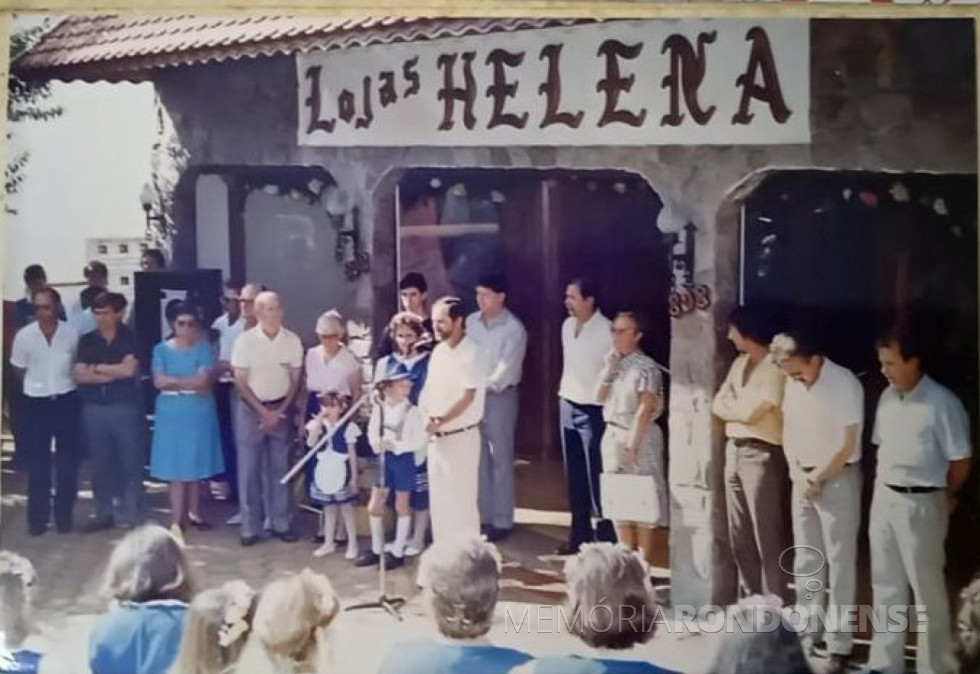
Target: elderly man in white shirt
{"points": [[586, 338], [43, 355], [268, 362], [452, 401], [923, 435], [503, 342], [823, 414]]}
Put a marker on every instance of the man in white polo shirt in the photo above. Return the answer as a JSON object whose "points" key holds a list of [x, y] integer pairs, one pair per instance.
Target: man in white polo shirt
{"points": [[452, 402], [823, 414], [268, 361], [586, 338], [43, 355], [923, 437]]}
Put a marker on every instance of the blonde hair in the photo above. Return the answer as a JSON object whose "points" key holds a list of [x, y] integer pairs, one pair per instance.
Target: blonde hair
{"points": [[217, 623], [289, 629], [16, 583], [147, 564]]}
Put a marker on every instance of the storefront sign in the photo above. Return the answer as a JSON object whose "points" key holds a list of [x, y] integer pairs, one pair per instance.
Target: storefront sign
{"points": [[653, 82]]}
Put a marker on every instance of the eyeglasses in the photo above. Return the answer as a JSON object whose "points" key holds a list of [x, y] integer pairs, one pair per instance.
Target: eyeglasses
{"points": [[243, 300], [188, 323], [330, 336], [231, 299], [621, 331]]}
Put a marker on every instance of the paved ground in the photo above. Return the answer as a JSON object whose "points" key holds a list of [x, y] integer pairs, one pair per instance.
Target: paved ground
{"points": [[69, 568]]}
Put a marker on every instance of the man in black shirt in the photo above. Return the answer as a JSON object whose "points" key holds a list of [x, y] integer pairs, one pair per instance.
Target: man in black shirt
{"points": [[107, 371]]}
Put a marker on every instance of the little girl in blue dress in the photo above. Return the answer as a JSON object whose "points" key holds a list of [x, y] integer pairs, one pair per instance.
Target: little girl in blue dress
{"points": [[333, 473]]}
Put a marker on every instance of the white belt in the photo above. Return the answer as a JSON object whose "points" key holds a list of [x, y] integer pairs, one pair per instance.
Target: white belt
{"points": [[179, 393]]}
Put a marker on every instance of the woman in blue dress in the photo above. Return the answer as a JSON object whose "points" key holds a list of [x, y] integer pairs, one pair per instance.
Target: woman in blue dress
{"points": [[186, 437]]}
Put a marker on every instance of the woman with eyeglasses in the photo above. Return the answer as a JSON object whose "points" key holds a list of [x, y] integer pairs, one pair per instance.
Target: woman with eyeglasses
{"points": [[186, 439]]}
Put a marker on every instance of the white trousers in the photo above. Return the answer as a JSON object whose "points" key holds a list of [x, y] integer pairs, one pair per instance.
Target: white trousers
{"points": [[825, 533], [454, 469], [907, 534]]}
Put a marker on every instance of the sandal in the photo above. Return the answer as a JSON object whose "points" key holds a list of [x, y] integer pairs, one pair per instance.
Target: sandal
{"points": [[198, 523]]}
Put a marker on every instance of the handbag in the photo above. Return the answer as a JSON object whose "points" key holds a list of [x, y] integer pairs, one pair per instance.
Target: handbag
{"points": [[629, 497]]}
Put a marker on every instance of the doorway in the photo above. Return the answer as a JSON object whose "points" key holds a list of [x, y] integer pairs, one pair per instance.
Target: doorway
{"points": [[853, 252], [540, 229]]}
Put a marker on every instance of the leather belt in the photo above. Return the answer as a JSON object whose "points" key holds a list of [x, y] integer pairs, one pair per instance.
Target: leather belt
{"points": [[455, 432], [913, 490], [617, 426], [273, 403], [755, 442]]}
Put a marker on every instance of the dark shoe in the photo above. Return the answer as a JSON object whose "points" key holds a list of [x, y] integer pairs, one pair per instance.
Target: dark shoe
{"points": [[94, 525], [605, 532], [367, 559], [285, 536], [339, 541], [248, 541], [837, 664], [568, 548], [199, 524], [495, 535], [319, 539], [394, 561], [818, 648], [33, 530]]}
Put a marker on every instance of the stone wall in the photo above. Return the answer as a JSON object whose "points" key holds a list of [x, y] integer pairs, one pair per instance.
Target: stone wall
{"points": [[876, 105]]}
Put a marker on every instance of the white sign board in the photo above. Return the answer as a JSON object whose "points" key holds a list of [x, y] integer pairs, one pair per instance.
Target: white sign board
{"points": [[650, 82]]}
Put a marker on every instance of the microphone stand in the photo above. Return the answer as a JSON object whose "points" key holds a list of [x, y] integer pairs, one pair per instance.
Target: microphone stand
{"points": [[389, 604]]}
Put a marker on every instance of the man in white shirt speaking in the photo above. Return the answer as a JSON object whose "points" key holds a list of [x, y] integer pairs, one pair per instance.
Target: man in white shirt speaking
{"points": [[586, 338], [43, 354], [452, 403], [503, 342], [823, 414]]}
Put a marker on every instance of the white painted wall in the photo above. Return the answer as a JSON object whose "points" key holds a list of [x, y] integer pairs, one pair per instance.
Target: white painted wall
{"points": [[82, 181], [213, 244]]}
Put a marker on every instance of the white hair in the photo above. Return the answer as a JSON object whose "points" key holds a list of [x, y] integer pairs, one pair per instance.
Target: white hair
{"points": [[16, 585], [610, 597], [462, 577], [329, 319]]}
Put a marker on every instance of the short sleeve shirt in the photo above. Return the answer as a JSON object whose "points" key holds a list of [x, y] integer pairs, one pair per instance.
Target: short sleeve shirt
{"points": [[636, 374], [268, 361], [48, 366], [93, 349], [452, 371], [330, 375], [918, 434], [815, 419]]}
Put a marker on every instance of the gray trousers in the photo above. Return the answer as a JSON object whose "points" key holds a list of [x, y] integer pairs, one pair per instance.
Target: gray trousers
{"points": [[496, 491], [825, 533], [907, 533], [116, 439], [263, 458], [756, 481]]}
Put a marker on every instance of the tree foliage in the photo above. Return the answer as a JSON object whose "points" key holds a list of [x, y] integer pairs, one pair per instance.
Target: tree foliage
{"points": [[26, 100]]}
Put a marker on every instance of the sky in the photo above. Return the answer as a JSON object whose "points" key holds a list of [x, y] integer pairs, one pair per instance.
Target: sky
{"points": [[82, 181]]}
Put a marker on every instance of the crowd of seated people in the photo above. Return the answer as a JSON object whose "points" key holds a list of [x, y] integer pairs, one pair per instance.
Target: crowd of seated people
{"points": [[159, 623]]}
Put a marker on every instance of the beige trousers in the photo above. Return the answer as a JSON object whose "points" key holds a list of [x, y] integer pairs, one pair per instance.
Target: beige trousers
{"points": [[454, 469]]}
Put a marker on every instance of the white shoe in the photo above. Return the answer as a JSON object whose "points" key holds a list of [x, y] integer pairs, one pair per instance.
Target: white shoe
{"points": [[235, 519], [327, 548], [412, 551], [352, 552]]}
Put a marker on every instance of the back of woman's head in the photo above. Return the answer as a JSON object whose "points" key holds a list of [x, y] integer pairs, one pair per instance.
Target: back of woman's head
{"points": [[758, 637], [147, 564], [967, 628], [16, 587], [289, 628], [610, 600], [217, 624], [463, 580]]}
